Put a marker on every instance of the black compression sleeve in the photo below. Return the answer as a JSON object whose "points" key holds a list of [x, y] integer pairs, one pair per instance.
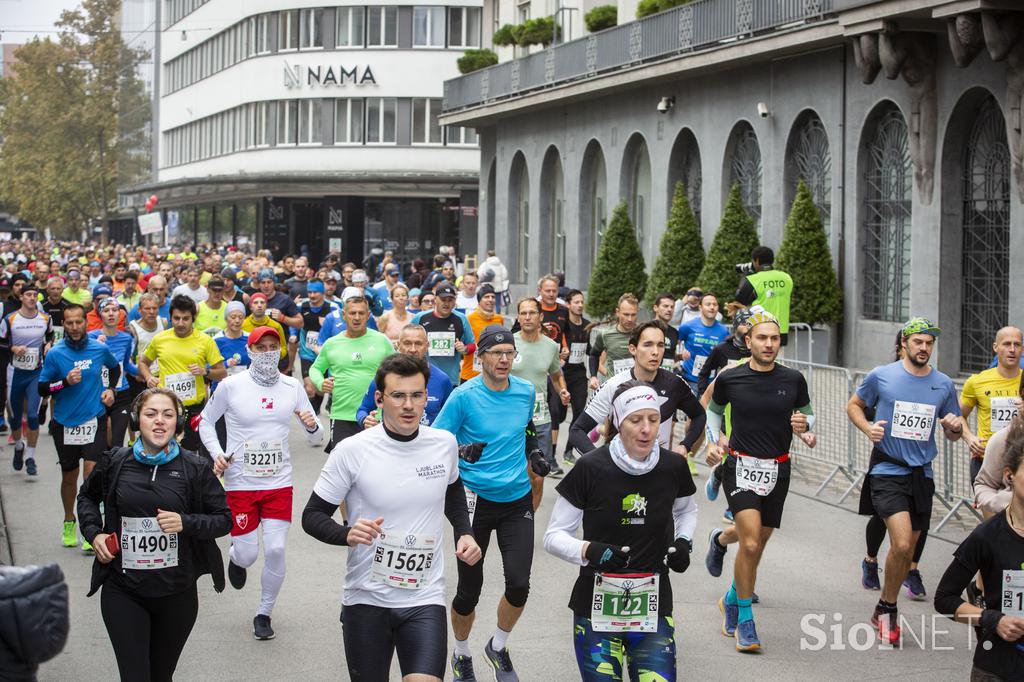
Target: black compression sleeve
{"points": [[48, 388], [579, 432], [593, 361], [456, 510], [951, 586], [114, 374], [714, 363], [317, 521], [531, 438]]}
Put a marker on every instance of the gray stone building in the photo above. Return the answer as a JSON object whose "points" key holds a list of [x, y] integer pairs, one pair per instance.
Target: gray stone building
{"points": [[903, 116]]}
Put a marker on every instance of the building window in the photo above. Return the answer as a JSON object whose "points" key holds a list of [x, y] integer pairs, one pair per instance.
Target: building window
{"points": [[986, 236], [287, 122], [811, 161], [261, 36], [380, 120], [382, 26], [288, 30], [459, 136], [260, 122], [309, 121], [310, 35], [425, 128], [745, 171], [888, 182], [348, 121], [464, 26], [428, 27], [351, 22]]}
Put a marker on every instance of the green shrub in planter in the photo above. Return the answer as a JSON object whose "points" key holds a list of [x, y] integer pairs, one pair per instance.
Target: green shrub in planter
{"points": [[620, 266], [681, 254], [474, 60], [735, 239], [505, 36], [539, 31], [649, 7], [601, 17]]}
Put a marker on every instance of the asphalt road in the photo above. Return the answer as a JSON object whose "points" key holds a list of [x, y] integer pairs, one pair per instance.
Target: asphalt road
{"points": [[810, 575]]}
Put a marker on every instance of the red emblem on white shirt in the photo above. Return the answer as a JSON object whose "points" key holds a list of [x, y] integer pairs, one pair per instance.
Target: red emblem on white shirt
{"points": [[267, 403]]}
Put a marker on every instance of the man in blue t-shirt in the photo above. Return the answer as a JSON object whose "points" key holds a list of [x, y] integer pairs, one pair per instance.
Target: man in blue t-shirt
{"points": [[449, 334], [699, 337], [411, 341], [158, 287], [908, 398], [494, 410], [73, 375]]}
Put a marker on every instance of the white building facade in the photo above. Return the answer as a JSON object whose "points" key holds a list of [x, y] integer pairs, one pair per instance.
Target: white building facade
{"points": [[312, 128]]}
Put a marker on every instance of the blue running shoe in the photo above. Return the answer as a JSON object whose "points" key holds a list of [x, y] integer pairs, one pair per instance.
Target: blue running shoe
{"points": [[914, 585], [30, 466], [19, 455], [712, 486], [716, 554], [727, 517], [730, 616], [869, 575], [747, 640]]}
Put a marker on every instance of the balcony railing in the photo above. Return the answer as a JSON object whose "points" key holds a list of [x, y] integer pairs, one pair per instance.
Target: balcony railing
{"points": [[699, 25]]}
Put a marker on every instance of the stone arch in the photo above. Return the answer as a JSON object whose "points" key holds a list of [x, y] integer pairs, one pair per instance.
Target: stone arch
{"points": [[743, 167], [593, 202], [809, 158], [635, 186], [684, 165], [519, 219], [551, 240]]}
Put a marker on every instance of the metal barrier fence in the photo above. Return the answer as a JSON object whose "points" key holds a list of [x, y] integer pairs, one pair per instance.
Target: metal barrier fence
{"points": [[842, 453], [688, 28]]}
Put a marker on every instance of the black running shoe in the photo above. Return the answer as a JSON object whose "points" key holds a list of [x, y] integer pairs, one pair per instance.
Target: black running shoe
{"points": [[236, 576], [261, 627]]}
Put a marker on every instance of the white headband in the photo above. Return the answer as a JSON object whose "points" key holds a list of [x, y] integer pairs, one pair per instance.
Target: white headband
{"points": [[633, 400]]}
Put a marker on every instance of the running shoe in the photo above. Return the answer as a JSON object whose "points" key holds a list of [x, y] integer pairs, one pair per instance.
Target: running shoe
{"points": [[30, 466], [869, 571], [713, 485], [569, 459], [42, 412], [236, 575], [730, 617], [888, 626], [693, 467], [261, 629], [462, 668], [86, 547], [70, 537], [747, 640], [975, 596], [727, 517], [19, 455], [716, 554], [914, 585], [503, 670], [557, 472]]}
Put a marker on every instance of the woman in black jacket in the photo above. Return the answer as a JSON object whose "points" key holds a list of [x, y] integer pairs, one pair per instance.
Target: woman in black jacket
{"points": [[163, 509]]}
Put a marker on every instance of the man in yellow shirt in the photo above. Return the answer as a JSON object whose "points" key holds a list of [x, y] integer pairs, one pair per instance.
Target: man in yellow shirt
{"points": [[480, 317], [211, 317], [259, 318], [995, 392], [74, 292], [188, 359]]}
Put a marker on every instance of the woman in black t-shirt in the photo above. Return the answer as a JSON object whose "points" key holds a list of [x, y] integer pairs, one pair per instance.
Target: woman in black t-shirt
{"points": [[163, 508], [634, 501], [995, 549]]}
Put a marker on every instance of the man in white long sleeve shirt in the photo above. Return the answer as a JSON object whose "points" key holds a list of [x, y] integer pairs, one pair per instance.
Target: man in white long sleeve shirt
{"points": [[634, 501], [258, 406]]}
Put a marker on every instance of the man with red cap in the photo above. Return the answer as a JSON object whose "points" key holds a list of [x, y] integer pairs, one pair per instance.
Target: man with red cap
{"points": [[257, 406]]}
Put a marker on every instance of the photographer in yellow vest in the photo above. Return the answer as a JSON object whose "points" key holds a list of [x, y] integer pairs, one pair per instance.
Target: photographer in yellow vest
{"points": [[764, 286]]}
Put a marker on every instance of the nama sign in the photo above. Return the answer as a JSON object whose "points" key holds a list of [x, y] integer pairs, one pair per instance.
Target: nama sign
{"points": [[326, 76]]}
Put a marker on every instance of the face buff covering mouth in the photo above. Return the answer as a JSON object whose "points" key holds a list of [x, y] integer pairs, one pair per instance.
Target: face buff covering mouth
{"points": [[263, 367]]}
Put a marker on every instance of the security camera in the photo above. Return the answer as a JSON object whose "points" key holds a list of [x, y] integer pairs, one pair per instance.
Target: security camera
{"points": [[665, 104], [762, 110]]}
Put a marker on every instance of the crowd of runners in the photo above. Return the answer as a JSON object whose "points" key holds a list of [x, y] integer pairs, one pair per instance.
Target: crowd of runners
{"points": [[169, 384]]}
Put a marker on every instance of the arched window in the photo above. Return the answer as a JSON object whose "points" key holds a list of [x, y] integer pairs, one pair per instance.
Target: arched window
{"points": [[809, 158], [492, 196], [888, 182], [745, 170], [593, 205], [636, 187], [986, 235], [519, 216], [552, 212], [684, 166]]}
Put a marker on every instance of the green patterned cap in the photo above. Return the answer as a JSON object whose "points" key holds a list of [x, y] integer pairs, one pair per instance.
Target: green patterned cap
{"points": [[920, 325]]}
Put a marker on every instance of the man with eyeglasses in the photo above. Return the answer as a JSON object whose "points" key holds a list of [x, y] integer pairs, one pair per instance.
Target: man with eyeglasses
{"points": [[494, 412], [411, 341]]}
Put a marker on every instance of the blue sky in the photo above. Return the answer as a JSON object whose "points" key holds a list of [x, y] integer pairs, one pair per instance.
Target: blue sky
{"points": [[21, 20]]}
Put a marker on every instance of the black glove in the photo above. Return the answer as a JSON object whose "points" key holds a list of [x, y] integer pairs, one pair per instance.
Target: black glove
{"points": [[678, 557], [607, 557], [539, 463], [470, 452]]}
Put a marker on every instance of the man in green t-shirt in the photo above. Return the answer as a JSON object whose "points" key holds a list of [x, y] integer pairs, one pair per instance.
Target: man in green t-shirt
{"points": [[74, 292], [211, 317], [613, 341], [536, 361], [351, 358]]}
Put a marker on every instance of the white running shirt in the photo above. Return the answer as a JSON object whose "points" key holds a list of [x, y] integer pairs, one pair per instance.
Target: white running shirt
{"points": [[404, 482], [260, 416]]}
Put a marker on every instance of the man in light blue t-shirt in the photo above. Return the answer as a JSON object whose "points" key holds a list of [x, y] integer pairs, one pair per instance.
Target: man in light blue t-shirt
{"points": [[699, 337], [908, 398], [494, 409]]}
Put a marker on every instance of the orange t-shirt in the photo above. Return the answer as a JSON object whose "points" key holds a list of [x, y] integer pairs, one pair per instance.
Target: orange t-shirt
{"points": [[477, 323]]}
